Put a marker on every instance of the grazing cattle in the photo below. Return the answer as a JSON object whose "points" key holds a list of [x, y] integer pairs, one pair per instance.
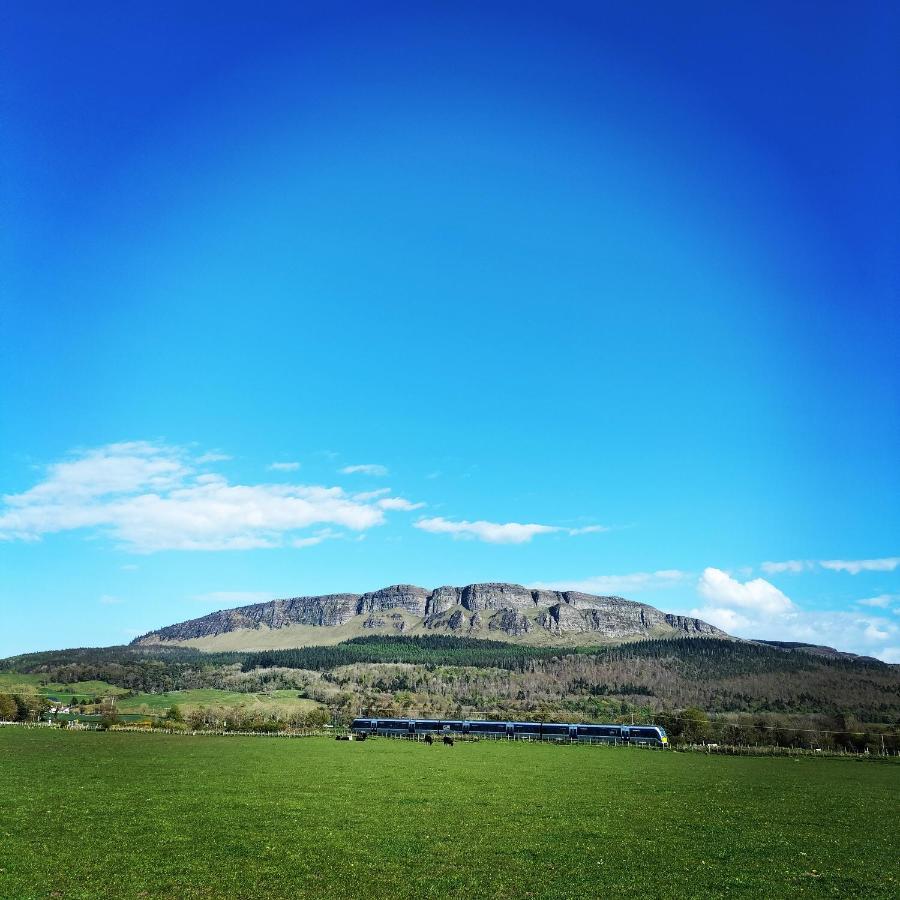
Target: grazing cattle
{"points": [[448, 740], [428, 740]]}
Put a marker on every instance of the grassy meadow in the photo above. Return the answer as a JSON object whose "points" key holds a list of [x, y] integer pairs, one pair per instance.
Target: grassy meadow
{"points": [[270, 703], [153, 815], [15, 682], [157, 704]]}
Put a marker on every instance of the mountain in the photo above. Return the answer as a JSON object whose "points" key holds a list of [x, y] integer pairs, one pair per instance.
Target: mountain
{"points": [[817, 650], [508, 612]]}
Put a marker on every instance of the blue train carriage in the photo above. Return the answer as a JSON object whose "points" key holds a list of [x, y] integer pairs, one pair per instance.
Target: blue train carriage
{"points": [[647, 735]]}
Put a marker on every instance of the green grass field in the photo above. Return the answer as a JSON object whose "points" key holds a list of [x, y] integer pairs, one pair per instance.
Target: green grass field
{"points": [[150, 815], [14, 682], [158, 703], [283, 701], [286, 701]]}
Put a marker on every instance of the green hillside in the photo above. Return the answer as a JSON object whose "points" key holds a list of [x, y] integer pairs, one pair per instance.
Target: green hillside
{"points": [[745, 692]]}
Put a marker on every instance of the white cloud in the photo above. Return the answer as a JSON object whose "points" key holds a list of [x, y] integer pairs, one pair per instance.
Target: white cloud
{"points": [[365, 469], [114, 469], [109, 600], [757, 609], [129, 567], [855, 566], [874, 630], [209, 478], [757, 595], [722, 617], [398, 503], [490, 532], [211, 457], [228, 599], [147, 497], [326, 534], [284, 466], [625, 585], [789, 565], [882, 601], [371, 495]]}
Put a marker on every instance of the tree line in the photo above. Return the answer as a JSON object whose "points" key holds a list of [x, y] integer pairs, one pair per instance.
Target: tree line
{"points": [[433, 650]]}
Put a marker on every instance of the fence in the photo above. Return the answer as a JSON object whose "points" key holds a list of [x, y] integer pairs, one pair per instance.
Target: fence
{"points": [[709, 749], [754, 750], [221, 732]]}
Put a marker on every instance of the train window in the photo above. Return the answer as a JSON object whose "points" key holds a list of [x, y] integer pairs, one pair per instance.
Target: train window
{"points": [[555, 729]]}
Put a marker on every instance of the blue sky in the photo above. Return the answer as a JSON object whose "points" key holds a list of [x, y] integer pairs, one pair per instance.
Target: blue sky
{"points": [[348, 294]]}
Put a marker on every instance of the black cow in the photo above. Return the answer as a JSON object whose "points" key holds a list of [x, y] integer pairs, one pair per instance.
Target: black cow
{"points": [[429, 740], [448, 740]]}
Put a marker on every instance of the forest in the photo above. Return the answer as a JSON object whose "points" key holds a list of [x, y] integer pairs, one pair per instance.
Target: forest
{"points": [[697, 688]]}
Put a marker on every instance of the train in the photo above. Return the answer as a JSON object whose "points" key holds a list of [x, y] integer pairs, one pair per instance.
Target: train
{"points": [[647, 735]]}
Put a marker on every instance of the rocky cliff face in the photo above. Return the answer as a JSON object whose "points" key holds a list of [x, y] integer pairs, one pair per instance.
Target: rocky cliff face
{"points": [[493, 610]]}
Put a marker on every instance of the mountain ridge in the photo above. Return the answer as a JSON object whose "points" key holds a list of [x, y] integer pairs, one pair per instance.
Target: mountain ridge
{"points": [[501, 610]]}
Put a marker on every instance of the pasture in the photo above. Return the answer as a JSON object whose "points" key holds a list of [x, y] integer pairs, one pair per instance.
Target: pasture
{"points": [[152, 815], [15, 683], [277, 702], [157, 704]]}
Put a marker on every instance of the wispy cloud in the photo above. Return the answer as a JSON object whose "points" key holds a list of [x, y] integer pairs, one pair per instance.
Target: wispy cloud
{"points": [[882, 601], [631, 583], [326, 534], [371, 495], [365, 469], [490, 532], [148, 497], [589, 529], [109, 600], [788, 565], [398, 503], [284, 466], [211, 457], [855, 566]]}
